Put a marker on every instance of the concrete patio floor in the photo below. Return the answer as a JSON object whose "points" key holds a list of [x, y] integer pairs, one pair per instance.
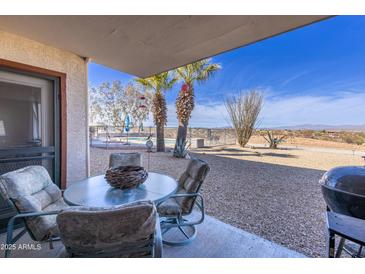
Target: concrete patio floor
{"points": [[215, 239]]}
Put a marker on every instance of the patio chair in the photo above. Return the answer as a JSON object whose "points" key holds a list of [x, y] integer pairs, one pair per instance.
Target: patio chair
{"points": [[36, 201], [125, 159], [175, 209], [132, 230]]}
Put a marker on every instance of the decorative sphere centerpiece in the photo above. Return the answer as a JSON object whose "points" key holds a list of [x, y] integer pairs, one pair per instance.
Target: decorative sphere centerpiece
{"points": [[125, 177]]}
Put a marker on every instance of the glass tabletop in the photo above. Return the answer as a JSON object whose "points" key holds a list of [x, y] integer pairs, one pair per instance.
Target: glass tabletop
{"points": [[96, 192]]}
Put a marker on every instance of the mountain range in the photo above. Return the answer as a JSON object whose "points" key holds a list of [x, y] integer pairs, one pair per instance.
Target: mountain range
{"points": [[324, 127]]}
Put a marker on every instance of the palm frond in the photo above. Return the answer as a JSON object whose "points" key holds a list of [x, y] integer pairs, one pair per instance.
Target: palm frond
{"points": [[197, 71], [170, 83], [159, 82], [184, 73], [207, 71], [145, 82]]}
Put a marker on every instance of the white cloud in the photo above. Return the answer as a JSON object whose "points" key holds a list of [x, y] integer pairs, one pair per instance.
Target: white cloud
{"points": [[339, 109], [212, 115], [345, 108], [293, 78]]}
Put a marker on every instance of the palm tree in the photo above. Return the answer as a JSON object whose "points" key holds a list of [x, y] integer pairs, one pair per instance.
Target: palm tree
{"points": [[159, 84], [199, 71]]}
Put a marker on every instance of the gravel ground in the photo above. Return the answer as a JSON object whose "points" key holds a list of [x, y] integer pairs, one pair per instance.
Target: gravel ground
{"points": [[272, 193]]}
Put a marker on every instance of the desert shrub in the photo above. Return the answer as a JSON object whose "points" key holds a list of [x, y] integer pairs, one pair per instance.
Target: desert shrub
{"points": [[354, 139], [243, 111], [181, 148], [307, 133], [273, 139]]}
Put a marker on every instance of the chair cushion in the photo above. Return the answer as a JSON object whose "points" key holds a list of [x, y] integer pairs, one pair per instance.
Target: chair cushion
{"points": [[190, 182], [99, 232], [194, 175], [25, 181], [32, 190], [169, 208]]}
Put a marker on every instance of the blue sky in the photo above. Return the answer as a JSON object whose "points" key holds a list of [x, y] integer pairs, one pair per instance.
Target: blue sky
{"points": [[312, 75]]}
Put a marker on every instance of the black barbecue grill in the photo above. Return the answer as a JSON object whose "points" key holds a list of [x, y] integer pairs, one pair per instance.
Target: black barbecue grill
{"points": [[343, 190]]}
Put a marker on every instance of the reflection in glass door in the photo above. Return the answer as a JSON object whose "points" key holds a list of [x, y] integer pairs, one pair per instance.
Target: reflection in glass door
{"points": [[29, 127]]}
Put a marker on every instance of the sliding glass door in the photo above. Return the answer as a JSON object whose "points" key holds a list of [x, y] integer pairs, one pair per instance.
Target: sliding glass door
{"points": [[29, 125]]}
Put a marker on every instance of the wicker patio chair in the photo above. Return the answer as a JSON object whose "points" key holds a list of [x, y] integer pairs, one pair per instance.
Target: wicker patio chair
{"points": [[176, 209], [125, 159], [132, 230], [36, 201]]}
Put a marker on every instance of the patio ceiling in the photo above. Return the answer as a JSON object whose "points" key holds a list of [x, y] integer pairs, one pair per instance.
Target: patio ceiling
{"points": [[146, 45]]}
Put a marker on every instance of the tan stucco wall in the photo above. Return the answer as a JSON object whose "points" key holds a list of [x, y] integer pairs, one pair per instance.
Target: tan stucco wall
{"points": [[19, 49]]}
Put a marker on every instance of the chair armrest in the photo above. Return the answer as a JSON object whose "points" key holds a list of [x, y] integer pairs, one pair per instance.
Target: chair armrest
{"points": [[35, 214], [157, 249], [27, 215], [10, 227], [180, 195], [186, 195], [200, 205]]}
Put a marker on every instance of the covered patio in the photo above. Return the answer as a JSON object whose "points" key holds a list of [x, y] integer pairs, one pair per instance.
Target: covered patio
{"points": [[125, 43]]}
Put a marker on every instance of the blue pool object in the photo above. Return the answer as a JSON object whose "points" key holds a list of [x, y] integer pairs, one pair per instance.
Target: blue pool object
{"points": [[127, 122]]}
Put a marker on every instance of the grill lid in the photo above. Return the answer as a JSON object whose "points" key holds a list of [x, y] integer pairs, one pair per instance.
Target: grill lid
{"points": [[343, 190], [347, 178]]}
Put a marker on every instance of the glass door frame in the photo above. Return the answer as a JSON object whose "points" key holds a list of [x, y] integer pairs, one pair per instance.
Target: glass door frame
{"points": [[59, 85], [49, 147]]}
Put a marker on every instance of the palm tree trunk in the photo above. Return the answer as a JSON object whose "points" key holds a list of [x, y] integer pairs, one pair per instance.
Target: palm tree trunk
{"points": [[160, 138], [181, 132]]}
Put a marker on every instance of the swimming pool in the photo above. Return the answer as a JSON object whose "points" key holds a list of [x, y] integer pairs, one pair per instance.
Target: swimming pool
{"points": [[133, 140], [143, 140]]}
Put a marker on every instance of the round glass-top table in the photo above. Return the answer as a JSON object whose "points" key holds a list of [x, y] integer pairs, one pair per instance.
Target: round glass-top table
{"points": [[96, 192]]}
